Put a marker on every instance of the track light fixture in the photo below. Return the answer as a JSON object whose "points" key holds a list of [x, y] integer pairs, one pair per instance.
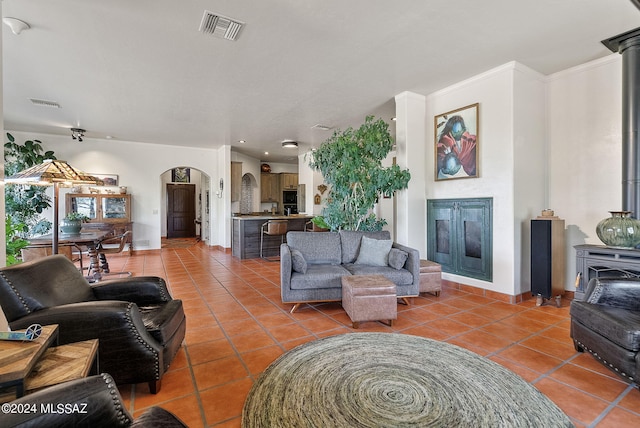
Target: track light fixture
{"points": [[77, 134]]}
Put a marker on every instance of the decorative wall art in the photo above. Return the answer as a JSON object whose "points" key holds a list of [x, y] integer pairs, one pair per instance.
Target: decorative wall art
{"points": [[109, 179], [180, 175], [456, 143]]}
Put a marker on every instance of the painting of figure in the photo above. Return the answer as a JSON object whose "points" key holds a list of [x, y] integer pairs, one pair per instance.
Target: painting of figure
{"points": [[456, 141]]}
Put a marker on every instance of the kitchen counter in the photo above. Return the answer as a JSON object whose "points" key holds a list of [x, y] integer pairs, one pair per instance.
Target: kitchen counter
{"points": [[246, 230]]}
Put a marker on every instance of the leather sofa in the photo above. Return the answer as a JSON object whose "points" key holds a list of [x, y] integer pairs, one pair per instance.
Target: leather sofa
{"points": [[328, 256], [91, 402], [139, 325], [607, 324]]}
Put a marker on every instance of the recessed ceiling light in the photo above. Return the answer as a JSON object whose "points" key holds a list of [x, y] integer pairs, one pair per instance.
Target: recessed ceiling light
{"points": [[266, 153], [289, 144], [242, 141], [394, 119]]}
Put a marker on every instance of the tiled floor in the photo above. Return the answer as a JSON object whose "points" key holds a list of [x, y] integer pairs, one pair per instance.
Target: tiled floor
{"points": [[236, 326]]}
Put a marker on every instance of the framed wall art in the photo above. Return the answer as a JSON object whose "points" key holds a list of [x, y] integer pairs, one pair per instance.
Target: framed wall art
{"points": [[180, 175], [456, 143], [109, 179]]}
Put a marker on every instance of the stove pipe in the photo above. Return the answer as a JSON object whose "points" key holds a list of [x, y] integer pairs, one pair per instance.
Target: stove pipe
{"points": [[628, 45]]}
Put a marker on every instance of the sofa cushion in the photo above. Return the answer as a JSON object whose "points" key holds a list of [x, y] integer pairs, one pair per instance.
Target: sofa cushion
{"points": [[298, 263], [350, 242], [318, 276], [316, 248], [397, 276], [621, 326], [374, 252], [397, 258]]}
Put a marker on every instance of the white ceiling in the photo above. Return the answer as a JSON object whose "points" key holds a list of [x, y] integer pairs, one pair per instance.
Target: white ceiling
{"points": [[139, 70]]}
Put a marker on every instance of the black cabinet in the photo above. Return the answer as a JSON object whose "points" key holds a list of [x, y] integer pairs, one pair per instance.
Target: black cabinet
{"points": [[459, 233]]}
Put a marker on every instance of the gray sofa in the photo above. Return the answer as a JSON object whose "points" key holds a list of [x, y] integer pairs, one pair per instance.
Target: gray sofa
{"points": [[328, 256]]}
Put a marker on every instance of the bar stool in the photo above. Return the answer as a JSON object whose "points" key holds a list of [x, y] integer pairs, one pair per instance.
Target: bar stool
{"points": [[273, 228]]}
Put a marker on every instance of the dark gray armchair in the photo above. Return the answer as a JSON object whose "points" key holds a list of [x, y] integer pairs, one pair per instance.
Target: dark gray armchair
{"points": [[139, 325], [607, 324], [91, 402]]}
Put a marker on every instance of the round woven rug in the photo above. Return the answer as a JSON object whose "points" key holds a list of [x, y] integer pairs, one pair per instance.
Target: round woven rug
{"points": [[393, 380]]}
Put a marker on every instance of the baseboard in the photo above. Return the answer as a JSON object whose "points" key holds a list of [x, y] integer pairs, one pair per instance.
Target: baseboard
{"points": [[502, 297]]}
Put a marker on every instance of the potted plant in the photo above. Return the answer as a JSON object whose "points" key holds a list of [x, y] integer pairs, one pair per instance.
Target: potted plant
{"points": [[351, 163], [72, 223]]}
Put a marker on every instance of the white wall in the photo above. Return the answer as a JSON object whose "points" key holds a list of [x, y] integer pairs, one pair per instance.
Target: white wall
{"points": [[411, 146], [530, 167], [139, 167], [584, 112], [511, 133]]}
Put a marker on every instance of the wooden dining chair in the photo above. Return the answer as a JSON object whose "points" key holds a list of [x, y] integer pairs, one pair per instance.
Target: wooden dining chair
{"points": [[110, 245], [38, 251]]}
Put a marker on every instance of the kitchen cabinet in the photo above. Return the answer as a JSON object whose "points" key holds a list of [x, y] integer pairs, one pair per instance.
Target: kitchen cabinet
{"points": [[459, 235], [288, 181], [269, 187], [236, 181]]}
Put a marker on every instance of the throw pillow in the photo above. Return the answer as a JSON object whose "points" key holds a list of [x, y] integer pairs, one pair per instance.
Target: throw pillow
{"points": [[397, 258], [298, 262], [374, 252]]}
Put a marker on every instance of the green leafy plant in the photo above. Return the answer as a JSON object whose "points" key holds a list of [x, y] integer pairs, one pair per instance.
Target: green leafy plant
{"points": [[14, 242], [351, 163], [320, 222], [74, 216], [24, 204]]}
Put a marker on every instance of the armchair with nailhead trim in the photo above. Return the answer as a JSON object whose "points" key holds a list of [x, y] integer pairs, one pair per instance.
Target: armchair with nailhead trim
{"points": [[89, 402], [140, 327], [607, 324]]}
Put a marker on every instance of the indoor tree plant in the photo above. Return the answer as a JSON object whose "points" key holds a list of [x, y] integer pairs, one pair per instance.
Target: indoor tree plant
{"points": [[351, 164], [24, 204]]}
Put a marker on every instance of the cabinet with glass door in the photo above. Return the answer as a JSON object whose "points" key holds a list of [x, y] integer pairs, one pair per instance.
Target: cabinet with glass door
{"points": [[105, 212], [101, 208]]}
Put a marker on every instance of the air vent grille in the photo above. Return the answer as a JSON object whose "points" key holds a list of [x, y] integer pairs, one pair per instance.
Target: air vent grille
{"points": [[220, 26], [321, 127], [44, 103]]}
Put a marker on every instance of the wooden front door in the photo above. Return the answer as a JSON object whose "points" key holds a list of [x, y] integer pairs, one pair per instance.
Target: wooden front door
{"points": [[181, 210]]}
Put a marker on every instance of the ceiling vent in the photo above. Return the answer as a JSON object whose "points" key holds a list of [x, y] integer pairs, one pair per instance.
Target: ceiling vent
{"points": [[220, 26], [321, 127], [44, 103]]}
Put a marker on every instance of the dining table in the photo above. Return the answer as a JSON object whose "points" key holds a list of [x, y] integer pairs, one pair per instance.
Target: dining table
{"points": [[88, 239]]}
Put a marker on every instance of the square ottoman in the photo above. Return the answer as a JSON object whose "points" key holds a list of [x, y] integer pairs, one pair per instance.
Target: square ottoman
{"points": [[369, 298], [430, 277]]}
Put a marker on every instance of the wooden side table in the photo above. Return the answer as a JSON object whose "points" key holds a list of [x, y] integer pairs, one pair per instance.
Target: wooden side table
{"points": [[18, 358], [63, 363]]}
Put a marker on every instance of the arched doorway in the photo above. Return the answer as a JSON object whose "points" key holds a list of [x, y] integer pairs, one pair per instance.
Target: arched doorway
{"points": [[185, 201]]}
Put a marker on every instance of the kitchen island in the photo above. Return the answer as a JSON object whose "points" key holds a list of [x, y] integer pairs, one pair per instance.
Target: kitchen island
{"points": [[245, 242]]}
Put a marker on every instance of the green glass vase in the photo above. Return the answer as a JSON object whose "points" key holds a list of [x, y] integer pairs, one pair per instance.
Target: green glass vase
{"points": [[619, 230]]}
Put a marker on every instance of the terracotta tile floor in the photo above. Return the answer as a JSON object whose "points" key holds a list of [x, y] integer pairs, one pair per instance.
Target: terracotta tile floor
{"points": [[236, 326]]}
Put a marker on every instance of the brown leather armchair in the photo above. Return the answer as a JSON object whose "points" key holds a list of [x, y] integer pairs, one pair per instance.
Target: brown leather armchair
{"points": [[90, 402], [139, 325], [607, 324]]}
